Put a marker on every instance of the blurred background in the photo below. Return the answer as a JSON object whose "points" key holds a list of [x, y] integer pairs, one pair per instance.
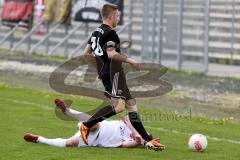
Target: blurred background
{"points": [[177, 33]]}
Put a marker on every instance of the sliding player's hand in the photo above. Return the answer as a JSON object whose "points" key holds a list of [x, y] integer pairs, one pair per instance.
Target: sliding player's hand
{"points": [[138, 139]]}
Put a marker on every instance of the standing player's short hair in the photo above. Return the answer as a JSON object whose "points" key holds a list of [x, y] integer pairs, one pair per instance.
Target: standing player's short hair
{"points": [[107, 9]]}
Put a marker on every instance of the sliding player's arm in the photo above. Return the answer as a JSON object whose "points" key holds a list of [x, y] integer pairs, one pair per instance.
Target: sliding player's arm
{"points": [[129, 144], [113, 54], [136, 136]]}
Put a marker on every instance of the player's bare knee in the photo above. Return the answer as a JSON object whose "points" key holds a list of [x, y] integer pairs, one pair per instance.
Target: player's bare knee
{"points": [[132, 108], [131, 102], [131, 105], [72, 143], [119, 105]]}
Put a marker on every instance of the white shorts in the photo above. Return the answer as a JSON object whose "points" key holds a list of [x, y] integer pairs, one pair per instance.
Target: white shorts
{"points": [[109, 134]]}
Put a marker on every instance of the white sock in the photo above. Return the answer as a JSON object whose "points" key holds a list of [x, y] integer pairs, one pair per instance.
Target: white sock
{"points": [[80, 116], [58, 142]]}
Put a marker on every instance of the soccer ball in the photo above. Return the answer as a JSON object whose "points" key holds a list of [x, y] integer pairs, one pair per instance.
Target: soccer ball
{"points": [[197, 142]]}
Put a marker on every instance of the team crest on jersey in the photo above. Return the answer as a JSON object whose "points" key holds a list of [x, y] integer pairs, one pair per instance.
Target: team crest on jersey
{"points": [[122, 129]]}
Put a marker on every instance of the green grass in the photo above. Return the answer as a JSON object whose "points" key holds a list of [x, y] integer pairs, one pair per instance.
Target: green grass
{"points": [[34, 55], [25, 110]]}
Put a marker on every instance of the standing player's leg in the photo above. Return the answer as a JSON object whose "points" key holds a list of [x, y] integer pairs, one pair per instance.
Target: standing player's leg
{"points": [[137, 124], [116, 106], [132, 108], [135, 119]]}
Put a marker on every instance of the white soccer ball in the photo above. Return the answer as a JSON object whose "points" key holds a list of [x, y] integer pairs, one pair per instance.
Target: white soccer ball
{"points": [[197, 142]]}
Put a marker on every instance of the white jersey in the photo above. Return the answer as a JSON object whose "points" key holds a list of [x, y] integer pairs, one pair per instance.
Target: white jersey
{"points": [[109, 134]]}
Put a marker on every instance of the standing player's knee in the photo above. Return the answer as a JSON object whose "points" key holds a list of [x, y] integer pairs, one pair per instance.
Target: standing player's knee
{"points": [[132, 108], [119, 106], [131, 105]]}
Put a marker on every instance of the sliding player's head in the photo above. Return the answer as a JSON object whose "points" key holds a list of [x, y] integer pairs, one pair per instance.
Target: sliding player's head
{"points": [[110, 14]]}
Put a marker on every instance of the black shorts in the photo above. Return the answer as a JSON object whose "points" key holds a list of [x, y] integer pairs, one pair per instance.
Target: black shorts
{"points": [[117, 87]]}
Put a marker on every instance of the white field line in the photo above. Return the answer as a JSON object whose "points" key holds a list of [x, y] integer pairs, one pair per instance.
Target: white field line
{"points": [[26, 103], [159, 129], [37, 69], [189, 134]]}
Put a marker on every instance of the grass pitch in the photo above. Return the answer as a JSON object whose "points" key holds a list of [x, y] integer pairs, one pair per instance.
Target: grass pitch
{"points": [[24, 110]]}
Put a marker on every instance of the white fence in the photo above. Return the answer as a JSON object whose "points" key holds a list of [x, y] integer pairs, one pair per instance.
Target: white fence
{"points": [[177, 30]]}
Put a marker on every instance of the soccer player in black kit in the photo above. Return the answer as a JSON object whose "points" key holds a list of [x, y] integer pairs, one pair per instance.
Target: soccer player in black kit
{"points": [[103, 50]]}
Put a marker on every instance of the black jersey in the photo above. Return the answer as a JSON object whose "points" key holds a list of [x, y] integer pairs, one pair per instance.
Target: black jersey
{"points": [[102, 38]]}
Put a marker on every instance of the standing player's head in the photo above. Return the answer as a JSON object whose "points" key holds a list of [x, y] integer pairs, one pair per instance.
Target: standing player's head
{"points": [[110, 14]]}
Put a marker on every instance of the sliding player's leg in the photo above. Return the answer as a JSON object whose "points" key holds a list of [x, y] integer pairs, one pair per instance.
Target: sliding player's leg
{"points": [[74, 141], [80, 116], [57, 142]]}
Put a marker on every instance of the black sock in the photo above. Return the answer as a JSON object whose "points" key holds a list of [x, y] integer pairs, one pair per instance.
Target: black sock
{"points": [[137, 124], [100, 115]]}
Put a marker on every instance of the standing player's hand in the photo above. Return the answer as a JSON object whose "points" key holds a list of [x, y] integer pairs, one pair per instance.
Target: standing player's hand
{"points": [[134, 63]]}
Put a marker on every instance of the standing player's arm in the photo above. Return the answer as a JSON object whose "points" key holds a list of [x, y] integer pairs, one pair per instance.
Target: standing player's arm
{"points": [[88, 55], [113, 54]]}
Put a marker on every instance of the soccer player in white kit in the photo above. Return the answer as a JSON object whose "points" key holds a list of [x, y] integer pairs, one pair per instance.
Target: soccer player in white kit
{"points": [[117, 133]]}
